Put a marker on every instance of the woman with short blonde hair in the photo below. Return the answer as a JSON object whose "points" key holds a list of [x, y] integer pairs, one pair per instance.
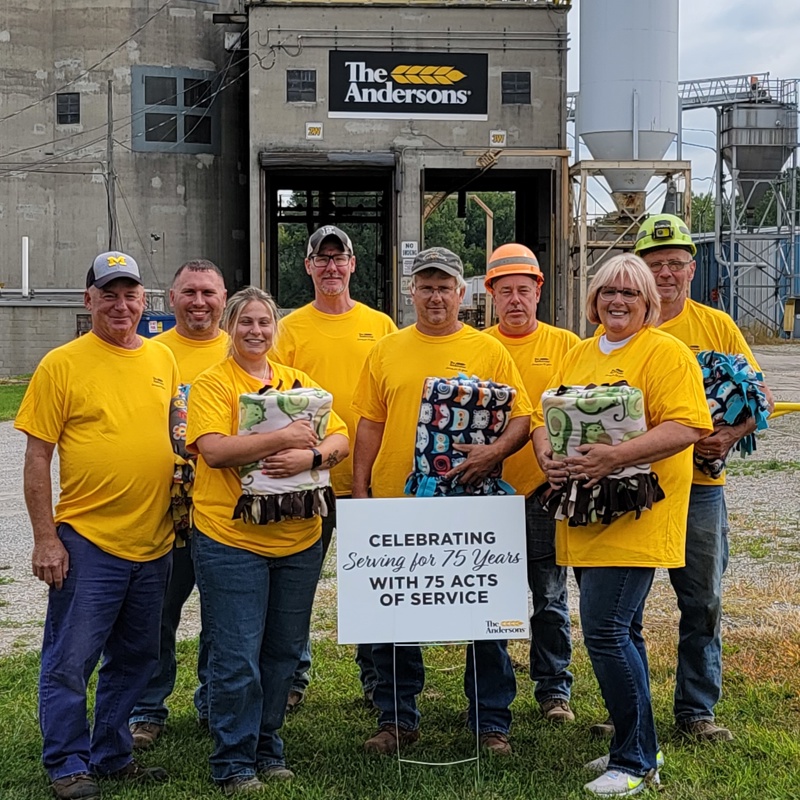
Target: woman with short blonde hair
{"points": [[615, 560]]}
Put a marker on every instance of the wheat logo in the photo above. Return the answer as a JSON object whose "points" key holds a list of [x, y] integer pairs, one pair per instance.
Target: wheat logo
{"points": [[441, 76]]}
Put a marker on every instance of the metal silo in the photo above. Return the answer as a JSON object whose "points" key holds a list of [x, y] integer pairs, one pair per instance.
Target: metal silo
{"points": [[627, 107]]}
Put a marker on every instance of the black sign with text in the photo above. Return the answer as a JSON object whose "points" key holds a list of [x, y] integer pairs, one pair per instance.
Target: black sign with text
{"points": [[410, 85]]}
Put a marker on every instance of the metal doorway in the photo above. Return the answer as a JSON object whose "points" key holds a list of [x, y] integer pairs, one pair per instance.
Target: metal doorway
{"points": [[298, 201]]}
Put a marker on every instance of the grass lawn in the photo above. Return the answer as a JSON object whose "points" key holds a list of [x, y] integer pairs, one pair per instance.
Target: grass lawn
{"points": [[323, 739], [10, 398]]}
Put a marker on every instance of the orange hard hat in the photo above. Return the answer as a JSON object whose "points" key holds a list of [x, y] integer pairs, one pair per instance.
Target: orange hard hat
{"points": [[512, 259]]}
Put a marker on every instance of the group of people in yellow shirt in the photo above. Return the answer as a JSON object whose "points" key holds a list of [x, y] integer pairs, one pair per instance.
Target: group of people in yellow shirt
{"points": [[97, 399]]}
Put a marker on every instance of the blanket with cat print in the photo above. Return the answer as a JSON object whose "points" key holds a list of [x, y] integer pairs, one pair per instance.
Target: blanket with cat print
{"points": [[606, 414], [302, 496]]}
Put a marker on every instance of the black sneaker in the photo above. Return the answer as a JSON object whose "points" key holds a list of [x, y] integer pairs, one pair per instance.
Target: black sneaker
{"points": [[134, 772], [75, 787]]}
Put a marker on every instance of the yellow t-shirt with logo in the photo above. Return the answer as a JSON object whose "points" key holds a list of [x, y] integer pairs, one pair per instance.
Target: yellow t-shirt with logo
{"points": [[390, 390], [670, 379], [107, 411], [537, 356], [214, 408], [194, 355], [332, 349]]}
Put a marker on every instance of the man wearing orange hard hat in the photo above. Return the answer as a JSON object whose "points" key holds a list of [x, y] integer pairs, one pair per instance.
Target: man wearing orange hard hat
{"points": [[514, 280]]}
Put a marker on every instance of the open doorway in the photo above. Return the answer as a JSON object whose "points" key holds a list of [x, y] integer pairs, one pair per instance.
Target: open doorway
{"points": [[473, 215], [299, 202]]}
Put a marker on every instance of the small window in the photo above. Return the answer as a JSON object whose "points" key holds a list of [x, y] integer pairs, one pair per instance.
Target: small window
{"points": [[68, 108], [516, 88], [301, 85], [197, 93], [174, 110]]}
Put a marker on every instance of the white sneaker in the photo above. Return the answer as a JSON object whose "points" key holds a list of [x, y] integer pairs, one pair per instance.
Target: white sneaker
{"points": [[620, 784], [600, 765]]}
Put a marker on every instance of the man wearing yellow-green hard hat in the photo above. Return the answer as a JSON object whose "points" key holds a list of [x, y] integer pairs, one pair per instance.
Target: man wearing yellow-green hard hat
{"points": [[664, 242]]}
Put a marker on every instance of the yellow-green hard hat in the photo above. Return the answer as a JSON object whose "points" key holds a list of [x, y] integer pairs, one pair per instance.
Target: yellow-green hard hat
{"points": [[663, 230]]}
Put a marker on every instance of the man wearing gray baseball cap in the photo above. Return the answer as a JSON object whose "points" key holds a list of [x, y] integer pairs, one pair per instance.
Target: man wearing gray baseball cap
{"points": [[103, 400], [387, 400]]}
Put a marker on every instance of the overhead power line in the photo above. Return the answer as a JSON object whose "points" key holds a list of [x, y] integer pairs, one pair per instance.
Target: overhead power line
{"points": [[93, 67]]}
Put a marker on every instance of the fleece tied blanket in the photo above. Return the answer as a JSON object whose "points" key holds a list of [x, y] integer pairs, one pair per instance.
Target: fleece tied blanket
{"points": [[734, 394], [454, 411], [302, 496], [606, 414], [183, 475]]}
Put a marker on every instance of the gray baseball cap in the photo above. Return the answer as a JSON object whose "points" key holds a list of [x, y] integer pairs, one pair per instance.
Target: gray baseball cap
{"points": [[109, 266], [438, 258], [326, 232]]}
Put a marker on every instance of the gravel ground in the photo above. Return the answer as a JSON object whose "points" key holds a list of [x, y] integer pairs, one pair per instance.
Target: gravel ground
{"points": [[763, 503]]}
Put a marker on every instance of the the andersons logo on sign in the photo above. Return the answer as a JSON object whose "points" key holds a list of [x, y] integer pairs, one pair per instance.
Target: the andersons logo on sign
{"points": [[410, 85]]}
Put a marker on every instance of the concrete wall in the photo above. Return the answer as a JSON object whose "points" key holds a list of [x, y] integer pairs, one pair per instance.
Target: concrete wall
{"points": [[299, 35], [52, 185], [28, 333]]}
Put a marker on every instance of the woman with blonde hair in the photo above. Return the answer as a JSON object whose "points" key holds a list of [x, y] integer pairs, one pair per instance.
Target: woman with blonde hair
{"points": [[615, 562], [256, 581]]}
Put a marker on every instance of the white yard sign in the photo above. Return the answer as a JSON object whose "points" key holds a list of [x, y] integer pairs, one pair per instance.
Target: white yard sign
{"points": [[431, 569]]}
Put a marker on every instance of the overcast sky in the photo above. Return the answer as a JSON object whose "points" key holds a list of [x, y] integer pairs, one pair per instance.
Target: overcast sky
{"points": [[720, 38]]}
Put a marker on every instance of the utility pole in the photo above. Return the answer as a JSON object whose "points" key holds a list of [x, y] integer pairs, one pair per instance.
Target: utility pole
{"points": [[111, 176]]}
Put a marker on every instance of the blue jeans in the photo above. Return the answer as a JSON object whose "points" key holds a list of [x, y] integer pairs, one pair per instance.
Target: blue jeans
{"points": [[551, 641], [107, 605], [257, 611], [698, 586], [151, 705], [401, 670], [302, 675], [612, 605]]}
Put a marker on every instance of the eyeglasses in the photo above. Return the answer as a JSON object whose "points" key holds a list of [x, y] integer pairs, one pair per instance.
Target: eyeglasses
{"points": [[628, 295], [320, 261], [430, 291], [673, 266]]}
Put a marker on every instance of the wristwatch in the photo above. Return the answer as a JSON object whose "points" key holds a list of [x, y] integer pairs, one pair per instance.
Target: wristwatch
{"points": [[317, 462]]}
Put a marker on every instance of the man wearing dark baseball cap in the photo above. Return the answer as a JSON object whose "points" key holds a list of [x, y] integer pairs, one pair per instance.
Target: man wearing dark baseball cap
{"points": [[103, 400], [330, 339], [325, 234], [387, 399], [109, 267]]}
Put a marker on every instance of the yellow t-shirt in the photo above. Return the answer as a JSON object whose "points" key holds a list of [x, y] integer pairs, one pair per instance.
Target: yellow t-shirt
{"points": [[194, 355], [332, 349], [390, 390], [701, 327], [107, 411], [214, 408], [670, 379], [537, 356]]}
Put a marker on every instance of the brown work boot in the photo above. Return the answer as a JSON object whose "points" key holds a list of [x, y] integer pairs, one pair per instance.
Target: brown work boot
{"points": [[556, 709], [74, 787], [704, 730], [496, 743], [602, 730], [134, 772], [294, 701], [242, 784], [145, 734], [389, 738]]}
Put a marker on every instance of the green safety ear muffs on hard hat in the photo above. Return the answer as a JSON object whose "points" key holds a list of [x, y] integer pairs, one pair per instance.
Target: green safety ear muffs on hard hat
{"points": [[663, 230]]}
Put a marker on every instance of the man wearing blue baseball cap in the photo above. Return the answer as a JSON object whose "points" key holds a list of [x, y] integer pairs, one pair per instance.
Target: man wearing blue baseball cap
{"points": [[103, 400]]}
